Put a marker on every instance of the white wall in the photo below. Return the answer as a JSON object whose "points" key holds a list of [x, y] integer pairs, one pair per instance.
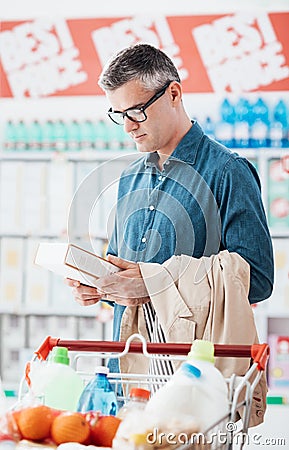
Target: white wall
{"points": [[87, 8]]}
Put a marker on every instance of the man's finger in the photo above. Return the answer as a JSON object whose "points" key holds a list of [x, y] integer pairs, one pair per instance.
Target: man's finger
{"points": [[119, 262], [72, 283]]}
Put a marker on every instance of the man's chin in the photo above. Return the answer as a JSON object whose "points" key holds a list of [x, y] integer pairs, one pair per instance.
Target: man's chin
{"points": [[143, 149]]}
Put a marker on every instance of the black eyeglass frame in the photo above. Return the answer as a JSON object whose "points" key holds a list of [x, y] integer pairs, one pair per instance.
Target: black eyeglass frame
{"points": [[125, 113]]}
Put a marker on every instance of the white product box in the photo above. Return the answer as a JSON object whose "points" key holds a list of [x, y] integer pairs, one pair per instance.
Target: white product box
{"points": [[10, 196], [11, 273], [104, 208], [64, 327], [89, 328], [279, 301], [12, 330], [72, 261], [36, 297], [84, 198], [12, 371], [39, 327], [59, 195], [34, 206]]}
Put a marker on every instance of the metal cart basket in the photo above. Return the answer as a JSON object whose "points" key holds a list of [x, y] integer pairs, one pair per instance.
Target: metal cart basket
{"points": [[228, 433]]}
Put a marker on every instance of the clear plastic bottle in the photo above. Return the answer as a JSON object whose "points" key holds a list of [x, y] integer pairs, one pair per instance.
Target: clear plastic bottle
{"points": [[56, 381], [35, 136], [74, 136], [60, 135], [101, 135], [22, 136], [138, 398], [10, 135], [98, 395], [48, 135], [87, 134]]}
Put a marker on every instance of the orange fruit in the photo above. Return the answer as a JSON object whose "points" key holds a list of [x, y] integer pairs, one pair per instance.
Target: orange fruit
{"points": [[103, 430], [12, 423], [70, 427], [34, 422]]}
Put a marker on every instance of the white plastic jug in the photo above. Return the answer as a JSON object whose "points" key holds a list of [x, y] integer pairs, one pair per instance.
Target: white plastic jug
{"points": [[55, 382], [197, 389]]}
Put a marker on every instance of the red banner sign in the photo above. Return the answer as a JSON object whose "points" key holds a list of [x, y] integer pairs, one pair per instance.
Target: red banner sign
{"points": [[242, 52]]}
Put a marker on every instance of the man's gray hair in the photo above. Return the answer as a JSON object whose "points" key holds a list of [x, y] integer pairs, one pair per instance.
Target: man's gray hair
{"points": [[142, 62]]}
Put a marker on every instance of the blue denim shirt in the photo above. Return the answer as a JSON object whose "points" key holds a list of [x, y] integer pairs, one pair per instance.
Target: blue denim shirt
{"points": [[205, 199]]}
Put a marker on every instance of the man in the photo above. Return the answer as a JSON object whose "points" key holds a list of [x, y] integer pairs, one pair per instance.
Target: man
{"points": [[186, 195]]}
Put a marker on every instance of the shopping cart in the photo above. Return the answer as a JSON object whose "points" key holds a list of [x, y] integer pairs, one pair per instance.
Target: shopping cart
{"points": [[228, 433]]}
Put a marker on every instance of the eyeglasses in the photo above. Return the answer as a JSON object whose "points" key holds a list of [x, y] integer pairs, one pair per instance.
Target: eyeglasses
{"points": [[136, 114]]}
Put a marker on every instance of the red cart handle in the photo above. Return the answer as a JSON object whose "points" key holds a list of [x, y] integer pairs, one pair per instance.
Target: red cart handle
{"points": [[258, 352]]}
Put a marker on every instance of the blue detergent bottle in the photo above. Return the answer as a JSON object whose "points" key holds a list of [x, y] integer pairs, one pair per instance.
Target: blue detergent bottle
{"points": [[98, 394]]}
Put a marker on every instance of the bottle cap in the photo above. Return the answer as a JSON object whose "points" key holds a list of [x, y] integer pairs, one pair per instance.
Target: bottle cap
{"points": [[102, 369], [139, 392], [191, 370], [202, 350], [59, 355]]}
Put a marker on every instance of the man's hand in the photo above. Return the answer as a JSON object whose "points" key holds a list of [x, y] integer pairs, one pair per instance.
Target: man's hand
{"points": [[84, 295], [126, 287]]}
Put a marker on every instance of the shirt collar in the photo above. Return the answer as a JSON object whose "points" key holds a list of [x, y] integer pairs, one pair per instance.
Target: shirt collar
{"points": [[185, 151]]}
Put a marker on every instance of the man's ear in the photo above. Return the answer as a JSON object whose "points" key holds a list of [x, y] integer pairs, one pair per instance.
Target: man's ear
{"points": [[175, 90]]}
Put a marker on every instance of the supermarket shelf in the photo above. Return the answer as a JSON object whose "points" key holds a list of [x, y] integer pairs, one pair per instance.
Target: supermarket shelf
{"points": [[103, 155], [83, 155], [284, 233], [52, 235]]}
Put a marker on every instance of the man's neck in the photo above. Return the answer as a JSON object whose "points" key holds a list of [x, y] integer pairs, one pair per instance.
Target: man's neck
{"points": [[163, 156]]}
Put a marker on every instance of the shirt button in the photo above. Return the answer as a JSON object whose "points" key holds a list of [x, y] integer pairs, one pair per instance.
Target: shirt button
{"points": [[144, 239], [152, 207], [160, 178]]}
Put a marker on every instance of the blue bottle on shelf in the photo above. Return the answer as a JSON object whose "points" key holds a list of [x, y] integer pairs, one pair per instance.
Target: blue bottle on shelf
{"points": [[261, 111], [98, 395], [209, 128], [243, 120], [260, 126], [280, 117], [224, 133], [243, 111], [227, 111]]}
